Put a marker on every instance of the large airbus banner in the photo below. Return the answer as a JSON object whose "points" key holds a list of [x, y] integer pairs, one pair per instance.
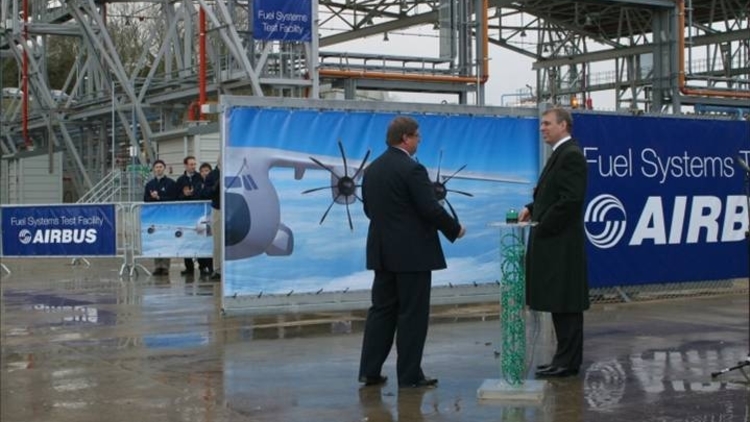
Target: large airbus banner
{"points": [[666, 198], [292, 202], [59, 230]]}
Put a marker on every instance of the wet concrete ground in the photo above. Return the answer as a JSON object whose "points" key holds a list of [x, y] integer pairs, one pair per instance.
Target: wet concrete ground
{"points": [[80, 345]]}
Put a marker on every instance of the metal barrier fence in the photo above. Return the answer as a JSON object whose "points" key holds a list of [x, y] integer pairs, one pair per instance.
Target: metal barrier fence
{"points": [[664, 291], [456, 296], [87, 231], [169, 230], [61, 231]]}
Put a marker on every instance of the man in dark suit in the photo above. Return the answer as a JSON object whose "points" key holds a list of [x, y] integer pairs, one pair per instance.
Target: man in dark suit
{"points": [[160, 188], [213, 191], [188, 189], [556, 276], [403, 248], [205, 265]]}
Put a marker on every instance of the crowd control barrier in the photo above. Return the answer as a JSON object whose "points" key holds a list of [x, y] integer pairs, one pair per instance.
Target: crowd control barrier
{"points": [[171, 230], [60, 230], [130, 231], [3, 268]]}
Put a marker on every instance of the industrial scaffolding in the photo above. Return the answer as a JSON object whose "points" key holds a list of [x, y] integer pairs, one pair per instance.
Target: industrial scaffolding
{"points": [[654, 56]]}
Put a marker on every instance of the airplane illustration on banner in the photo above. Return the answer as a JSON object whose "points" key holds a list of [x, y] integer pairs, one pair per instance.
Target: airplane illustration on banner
{"points": [[251, 202], [202, 226]]}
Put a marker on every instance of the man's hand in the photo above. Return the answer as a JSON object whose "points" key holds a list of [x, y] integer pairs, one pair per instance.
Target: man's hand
{"points": [[187, 191], [525, 215], [461, 232], [155, 194]]}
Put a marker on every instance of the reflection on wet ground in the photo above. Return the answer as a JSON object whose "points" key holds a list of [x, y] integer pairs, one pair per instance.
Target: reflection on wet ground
{"points": [[80, 345]]}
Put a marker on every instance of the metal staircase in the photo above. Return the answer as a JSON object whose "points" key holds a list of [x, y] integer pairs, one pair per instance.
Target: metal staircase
{"points": [[118, 186]]}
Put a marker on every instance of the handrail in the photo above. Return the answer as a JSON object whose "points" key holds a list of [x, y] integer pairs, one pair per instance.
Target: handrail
{"points": [[681, 79], [483, 71], [104, 189]]}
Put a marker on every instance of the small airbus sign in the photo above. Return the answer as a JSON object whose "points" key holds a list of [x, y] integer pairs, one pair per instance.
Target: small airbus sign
{"points": [[283, 20], [59, 230]]}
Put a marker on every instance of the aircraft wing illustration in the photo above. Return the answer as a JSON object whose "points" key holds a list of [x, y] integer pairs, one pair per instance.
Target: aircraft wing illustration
{"points": [[203, 227], [346, 173], [300, 162], [486, 177], [172, 227]]}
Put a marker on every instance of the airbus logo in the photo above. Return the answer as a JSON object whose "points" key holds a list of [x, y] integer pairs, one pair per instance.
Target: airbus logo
{"points": [[58, 236], [24, 236], [668, 221], [606, 217]]}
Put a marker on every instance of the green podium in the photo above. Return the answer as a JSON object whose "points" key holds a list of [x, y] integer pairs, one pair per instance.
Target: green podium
{"points": [[512, 384]]}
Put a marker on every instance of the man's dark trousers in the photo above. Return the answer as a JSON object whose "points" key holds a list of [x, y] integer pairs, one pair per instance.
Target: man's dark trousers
{"points": [[569, 333], [401, 298]]}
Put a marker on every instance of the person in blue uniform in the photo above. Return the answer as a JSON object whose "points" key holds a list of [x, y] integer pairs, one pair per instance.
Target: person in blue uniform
{"points": [[160, 188]]}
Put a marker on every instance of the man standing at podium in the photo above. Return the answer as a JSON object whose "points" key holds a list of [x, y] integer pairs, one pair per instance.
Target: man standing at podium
{"points": [[556, 277]]}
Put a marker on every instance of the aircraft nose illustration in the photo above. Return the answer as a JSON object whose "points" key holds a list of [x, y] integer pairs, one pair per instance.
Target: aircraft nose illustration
{"points": [[252, 216], [343, 186], [238, 219]]}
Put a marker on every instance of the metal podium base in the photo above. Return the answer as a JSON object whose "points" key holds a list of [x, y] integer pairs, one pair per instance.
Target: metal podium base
{"points": [[531, 391]]}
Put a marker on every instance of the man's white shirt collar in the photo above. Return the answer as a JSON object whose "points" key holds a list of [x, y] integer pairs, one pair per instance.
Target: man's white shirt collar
{"points": [[560, 142], [405, 152]]}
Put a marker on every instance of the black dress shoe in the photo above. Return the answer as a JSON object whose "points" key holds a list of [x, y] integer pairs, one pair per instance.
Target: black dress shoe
{"points": [[377, 380], [544, 367], [423, 383], [187, 272], [556, 372], [215, 277]]}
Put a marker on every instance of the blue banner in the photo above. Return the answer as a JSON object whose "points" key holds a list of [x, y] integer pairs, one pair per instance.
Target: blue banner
{"points": [[59, 230], [176, 230], [666, 199], [288, 228], [284, 20]]}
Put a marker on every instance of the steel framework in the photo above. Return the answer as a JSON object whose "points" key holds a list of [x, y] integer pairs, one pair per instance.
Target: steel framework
{"points": [[654, 55]]}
